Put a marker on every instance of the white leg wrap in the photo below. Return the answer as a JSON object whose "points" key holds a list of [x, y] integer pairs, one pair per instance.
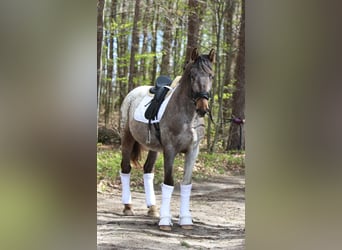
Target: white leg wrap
{"points": [[149, 189], [185, 215], [165, 215], [126, 192]]}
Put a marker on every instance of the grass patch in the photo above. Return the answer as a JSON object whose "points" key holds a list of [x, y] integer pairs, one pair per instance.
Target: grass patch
{"points": [[220, 163], [108, 165]]}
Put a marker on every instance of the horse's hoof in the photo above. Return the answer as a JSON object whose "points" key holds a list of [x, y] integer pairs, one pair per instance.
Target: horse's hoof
{"points": [[128, 211], [165, 228], [187, 227], [152, 211]]}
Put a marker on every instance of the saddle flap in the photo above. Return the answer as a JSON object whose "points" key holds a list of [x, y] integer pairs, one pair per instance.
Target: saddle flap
{"points": [[154, 106]]}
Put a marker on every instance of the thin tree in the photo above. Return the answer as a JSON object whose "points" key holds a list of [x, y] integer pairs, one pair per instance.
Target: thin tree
{"points": [[165, 68], [238, 101], [134, 46], [179, 37], [122, 43], [196, 10], [154, 28], [218, 85], [144, 62], [100, 6], [229, 49], [110, 64]]}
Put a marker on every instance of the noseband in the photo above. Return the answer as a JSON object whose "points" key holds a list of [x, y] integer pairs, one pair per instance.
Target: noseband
{"points": [[206, 95], [198, 95]]}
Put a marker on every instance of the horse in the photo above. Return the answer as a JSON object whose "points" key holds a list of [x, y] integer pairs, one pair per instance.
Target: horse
{"points": [[181, 128]]}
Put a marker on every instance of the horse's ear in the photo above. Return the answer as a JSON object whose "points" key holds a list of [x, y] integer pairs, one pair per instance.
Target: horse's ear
{"points": [[212, 55], [194, 54]]}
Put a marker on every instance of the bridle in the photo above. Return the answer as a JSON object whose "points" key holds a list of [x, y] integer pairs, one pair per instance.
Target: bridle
{"points": [[195, 96], [198, 95]]}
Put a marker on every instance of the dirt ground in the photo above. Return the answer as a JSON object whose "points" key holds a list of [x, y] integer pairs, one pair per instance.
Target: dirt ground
{"points": [[218, 210]]}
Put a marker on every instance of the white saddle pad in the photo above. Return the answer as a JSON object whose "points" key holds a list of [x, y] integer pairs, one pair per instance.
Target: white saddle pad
{"points": [[139, 114]]}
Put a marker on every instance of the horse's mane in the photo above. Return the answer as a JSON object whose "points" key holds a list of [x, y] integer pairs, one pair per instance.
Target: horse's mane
{"points": [[202, 62]]}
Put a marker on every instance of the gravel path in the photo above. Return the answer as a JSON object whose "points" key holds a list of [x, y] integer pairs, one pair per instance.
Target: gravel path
{"points": [[217, 207]]}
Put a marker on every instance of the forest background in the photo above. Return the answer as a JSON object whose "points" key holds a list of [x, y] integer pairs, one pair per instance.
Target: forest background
{"points": [[139, 40]]}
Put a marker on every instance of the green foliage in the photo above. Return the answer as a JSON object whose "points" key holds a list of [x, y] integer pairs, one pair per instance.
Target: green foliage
{"points": [[122, 28], [108, 164], [220, 163], [122, 79], [118, 24], [227, 96], [114, 25], [145, 56]]}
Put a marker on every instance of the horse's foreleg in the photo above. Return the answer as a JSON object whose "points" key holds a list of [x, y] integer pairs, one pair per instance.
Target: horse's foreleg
{"points": [[185, 219], [165, 222], [148, 183], [190, 158]]}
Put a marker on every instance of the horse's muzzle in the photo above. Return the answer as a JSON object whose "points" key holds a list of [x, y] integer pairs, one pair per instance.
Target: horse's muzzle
{"points": [[202, 106], [201, 113]]}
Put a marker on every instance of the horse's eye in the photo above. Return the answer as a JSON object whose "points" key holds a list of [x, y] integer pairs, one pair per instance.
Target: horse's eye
{"points": [[211, 77]]}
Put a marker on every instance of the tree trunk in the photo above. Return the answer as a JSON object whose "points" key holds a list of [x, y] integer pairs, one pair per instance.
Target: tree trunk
{"points": [[100, 6], [144, 62], [178, 53], [110, 64], [230, 57], [211, 101], [238, 102], [196, 10], [154, 43], [134, 46], [167, 42], [219, 18], [121, 52]]}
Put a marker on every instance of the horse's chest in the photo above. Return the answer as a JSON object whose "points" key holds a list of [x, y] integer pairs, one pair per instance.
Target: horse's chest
{"points": [[188, 138]]}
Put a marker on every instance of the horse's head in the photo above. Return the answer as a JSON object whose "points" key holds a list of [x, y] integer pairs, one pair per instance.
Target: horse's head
{"points": [[201, 75]]}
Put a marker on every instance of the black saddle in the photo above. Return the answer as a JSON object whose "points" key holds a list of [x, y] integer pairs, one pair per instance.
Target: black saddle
{"points": [[159, 90], [160, 83]]}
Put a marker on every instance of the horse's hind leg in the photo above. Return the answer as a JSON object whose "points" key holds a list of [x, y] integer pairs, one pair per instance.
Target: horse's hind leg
{"points": [[127, 145], [185, 219], [148, 183]]}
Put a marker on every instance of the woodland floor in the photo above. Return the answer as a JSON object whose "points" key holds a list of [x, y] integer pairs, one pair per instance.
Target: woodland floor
{"points": [[217, 207]]}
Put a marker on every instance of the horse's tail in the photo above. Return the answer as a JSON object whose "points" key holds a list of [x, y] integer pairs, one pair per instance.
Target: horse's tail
{"points": [[136, 154]]}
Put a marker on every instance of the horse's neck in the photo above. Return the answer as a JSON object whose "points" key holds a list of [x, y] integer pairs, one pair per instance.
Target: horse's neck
{"points": [[183, 100]]}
